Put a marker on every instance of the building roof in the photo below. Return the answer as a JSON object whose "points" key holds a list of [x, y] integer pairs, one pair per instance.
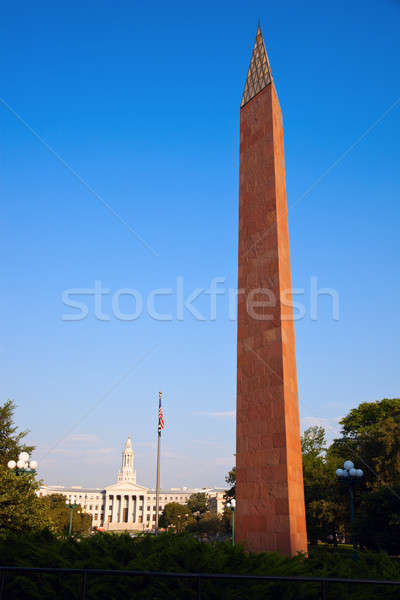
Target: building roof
{"points": [[72, 489]]}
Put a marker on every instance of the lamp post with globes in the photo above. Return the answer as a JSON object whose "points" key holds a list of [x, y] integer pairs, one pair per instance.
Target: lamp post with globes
{"points": [[23, 466], [71, 505], [350, 476], [232, 505]]}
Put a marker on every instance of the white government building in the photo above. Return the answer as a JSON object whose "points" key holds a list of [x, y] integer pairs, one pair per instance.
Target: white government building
{"points": [[126, 505]]}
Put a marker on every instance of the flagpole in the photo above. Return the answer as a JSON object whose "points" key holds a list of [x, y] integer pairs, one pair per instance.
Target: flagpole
{"points": [[158, 464]]}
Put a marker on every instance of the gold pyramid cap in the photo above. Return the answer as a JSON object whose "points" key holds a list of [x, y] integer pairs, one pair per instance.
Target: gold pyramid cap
{"points": [[259, 74]]}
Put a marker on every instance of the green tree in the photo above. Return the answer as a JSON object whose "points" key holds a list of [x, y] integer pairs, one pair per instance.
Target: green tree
{"points": [[210, 523], [378, 520], [59, 514], [11, 441], [197, 502], [231, 480], [20, 508], [175, 514], [324, 500], [370, 437]]}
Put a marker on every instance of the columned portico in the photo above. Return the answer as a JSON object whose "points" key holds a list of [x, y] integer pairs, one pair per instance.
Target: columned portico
{"points": [[125, 497]]}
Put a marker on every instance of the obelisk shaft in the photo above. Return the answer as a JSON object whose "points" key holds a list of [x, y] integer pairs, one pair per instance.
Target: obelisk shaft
{"points": [[270, 513]]}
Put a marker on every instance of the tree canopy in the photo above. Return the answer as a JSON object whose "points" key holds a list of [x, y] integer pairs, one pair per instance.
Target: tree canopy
{"points": [[59, 515], [20, 508], [197, 502], [370, 438], [231, 480], [11, 440], [175, 514]]}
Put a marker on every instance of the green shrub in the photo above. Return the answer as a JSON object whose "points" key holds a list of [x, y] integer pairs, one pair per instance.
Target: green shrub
{"points": [[181, 553]]}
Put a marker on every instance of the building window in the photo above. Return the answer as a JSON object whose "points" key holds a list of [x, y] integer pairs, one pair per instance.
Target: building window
{"points": [[96, 516], [148, 508], [154, 517], [154, 508], [140, 519], [148, 518], [90, 507]]}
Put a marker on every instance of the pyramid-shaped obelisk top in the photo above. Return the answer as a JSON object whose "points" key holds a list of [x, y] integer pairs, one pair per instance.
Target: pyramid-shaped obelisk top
{"points": [[259, 74]]}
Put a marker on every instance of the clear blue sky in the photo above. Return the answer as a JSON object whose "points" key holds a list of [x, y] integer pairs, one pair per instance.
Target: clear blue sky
{"points": [[142, 101]]}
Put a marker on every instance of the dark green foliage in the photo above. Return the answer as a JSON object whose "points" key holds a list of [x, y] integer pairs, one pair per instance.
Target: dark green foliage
{"points": [[326, 505], [11, 441], [197, 502], [180, 553], [212, 525], [371, 437], [59, 514], [175, 515], [231, 480], [378, 520], [20, 509]]}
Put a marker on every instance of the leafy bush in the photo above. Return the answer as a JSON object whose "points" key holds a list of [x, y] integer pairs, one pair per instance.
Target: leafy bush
{"points": [[181, 553]]}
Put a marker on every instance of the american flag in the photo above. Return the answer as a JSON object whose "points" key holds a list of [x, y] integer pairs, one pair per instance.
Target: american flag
{"points": [[160, 415]]}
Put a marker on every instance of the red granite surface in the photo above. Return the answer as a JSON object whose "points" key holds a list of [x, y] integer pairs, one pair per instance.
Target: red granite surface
{"points": [[270, 512]]}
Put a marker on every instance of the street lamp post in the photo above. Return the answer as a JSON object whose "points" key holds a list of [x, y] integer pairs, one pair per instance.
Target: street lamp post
{"points": [[350, 476], [71, 505], [232, 505], [23, 466]]}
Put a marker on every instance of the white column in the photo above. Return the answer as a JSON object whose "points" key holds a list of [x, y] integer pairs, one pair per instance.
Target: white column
{"points": [[105, 510], [143, 504], [113, 508]]}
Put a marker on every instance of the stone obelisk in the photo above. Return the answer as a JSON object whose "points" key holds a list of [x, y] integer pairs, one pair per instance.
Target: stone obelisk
{"points": [[270, 513]]}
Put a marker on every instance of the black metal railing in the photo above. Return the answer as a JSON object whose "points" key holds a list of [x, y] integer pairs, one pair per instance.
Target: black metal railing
{"points": [[197, 578]]}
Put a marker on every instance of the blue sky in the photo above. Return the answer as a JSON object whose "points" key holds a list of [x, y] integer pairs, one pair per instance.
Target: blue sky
{"points": [[142, 103]]}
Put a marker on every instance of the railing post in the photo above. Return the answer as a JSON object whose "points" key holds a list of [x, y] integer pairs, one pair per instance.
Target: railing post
{"points": [[84, 585], [323, 590], [198, 588], [2, 583]]}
